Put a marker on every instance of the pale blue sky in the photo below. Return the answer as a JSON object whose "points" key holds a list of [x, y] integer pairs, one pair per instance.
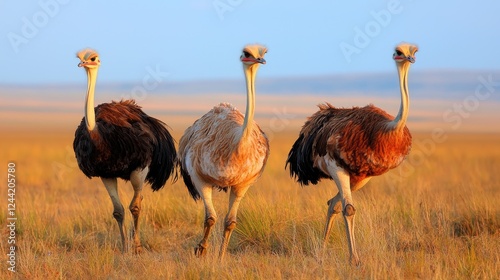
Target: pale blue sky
{"points": [[192, 40]]}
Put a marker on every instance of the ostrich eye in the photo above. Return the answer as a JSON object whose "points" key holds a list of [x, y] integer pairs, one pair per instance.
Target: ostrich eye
{"points": [[246, 54], [398, 52], [92, 59]]}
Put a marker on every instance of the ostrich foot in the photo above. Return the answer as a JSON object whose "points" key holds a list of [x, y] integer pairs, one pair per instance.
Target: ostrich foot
{"points": [[200, 250], [355, 262], [138, 249]]}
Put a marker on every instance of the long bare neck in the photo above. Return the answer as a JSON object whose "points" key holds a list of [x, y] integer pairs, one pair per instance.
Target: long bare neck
{"points": [[250, 73], [89, 100], [399, 121]]}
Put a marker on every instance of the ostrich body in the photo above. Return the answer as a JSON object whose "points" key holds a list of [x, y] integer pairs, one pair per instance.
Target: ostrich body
{"points": [[225, 150], [118, 140], [352, 145]]}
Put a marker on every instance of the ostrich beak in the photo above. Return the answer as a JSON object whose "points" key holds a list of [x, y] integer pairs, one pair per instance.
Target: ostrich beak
{"points": [[254, 60], [87, 63]]}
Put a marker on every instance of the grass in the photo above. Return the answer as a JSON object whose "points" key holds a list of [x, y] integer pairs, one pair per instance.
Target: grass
{"points": [[435, 217]]}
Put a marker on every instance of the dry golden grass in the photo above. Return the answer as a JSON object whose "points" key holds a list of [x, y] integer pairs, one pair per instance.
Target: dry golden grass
{"points": [[435, 217]]}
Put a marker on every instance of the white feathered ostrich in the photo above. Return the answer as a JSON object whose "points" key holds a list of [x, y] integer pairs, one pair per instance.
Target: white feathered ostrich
{"points": [[118, 140], [352, 145], [225, 150]]}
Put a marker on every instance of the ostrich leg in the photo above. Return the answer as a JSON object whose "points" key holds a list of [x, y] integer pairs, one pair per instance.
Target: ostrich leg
{"points": [[334, 207], [341, 178], [235, 198], [118, 212], [210, 218], [137, 178]]}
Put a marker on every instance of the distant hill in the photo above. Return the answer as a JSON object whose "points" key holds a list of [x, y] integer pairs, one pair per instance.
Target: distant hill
{"points": [[439, 100], [435, 84], [443, 84]]}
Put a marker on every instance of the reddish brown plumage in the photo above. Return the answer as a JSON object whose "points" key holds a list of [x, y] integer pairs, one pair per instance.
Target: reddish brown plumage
{"points": [[358, 139], [121, 113], [350, 146]]}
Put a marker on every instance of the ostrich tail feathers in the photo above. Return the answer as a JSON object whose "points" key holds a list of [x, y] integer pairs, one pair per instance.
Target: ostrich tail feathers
{"points": [[163, 161]]}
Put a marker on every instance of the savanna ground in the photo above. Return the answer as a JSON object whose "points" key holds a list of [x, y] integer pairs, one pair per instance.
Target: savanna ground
{"points": [[435, 217]]}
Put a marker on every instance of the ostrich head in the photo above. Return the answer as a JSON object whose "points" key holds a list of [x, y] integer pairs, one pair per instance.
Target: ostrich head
{"points": [[253, 54], [88, 59], [405, 52]]}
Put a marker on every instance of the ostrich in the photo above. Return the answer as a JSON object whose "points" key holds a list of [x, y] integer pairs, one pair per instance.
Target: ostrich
{"points": [[118, 140], [225, 150], [352, 145]]}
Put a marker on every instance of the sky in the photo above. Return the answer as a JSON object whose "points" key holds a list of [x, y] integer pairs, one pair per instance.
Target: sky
{"points": [[193, 40]]}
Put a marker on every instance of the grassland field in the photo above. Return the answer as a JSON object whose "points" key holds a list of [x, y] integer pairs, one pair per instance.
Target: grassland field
{"points": [[437, 216]]}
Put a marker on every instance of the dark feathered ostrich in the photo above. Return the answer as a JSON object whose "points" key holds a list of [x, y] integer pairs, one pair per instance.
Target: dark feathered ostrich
{"points": [[352, 145], [118, 140]]}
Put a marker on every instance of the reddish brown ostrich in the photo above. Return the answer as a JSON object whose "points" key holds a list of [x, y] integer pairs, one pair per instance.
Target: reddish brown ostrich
{"points": [[118, 140], [352, 145]]}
